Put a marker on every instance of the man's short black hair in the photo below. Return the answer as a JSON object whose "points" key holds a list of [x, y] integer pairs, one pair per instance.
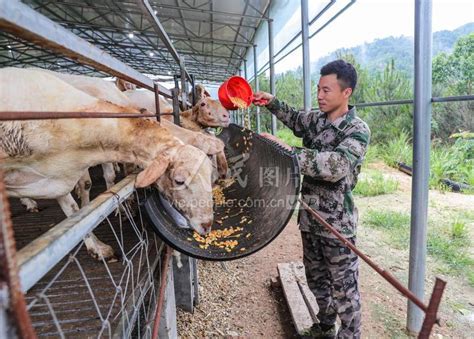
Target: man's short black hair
{"points": [[345, 72]]}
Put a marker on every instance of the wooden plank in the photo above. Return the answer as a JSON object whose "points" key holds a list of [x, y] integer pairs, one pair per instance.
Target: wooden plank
{"points": [[168, 323], [296, 304], [308, 296]]}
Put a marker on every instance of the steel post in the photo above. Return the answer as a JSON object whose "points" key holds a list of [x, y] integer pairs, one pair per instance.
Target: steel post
{"points": [[246, 112], [421, 159], [306, 60], [255, 75], [272, 70]]}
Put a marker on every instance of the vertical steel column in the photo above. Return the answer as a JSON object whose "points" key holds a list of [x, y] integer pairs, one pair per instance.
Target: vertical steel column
{"points": [[157, 103], [175, 92], [247, 110], [421, 159], [184, 85], [306, 64], [193, 90], [271, 61], [255, 75], [239, 110]]}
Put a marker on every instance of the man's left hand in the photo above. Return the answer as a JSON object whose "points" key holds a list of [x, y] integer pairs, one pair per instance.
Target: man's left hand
{"points": [[275, 139]]}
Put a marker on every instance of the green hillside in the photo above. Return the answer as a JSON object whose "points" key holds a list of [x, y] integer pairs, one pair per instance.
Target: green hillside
{"points": [[375, 55]]}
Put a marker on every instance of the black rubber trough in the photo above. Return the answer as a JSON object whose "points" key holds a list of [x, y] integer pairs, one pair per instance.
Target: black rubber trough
{"points": [[260, 199]]}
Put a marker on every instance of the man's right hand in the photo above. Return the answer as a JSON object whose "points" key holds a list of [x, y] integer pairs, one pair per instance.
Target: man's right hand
{"points": [[262, 98]]}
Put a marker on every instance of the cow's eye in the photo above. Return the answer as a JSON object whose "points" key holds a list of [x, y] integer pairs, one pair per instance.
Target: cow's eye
{"points": [[203, 104], [179, 182]]}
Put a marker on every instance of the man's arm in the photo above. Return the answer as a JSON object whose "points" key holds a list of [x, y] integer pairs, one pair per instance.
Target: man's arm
{"points": [[333, 166], [295, 120]]}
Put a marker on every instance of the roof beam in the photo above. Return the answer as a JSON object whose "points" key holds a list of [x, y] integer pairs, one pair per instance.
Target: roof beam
{"points": [[193, 9], [20, 20], [148, 13], [207, 40]]}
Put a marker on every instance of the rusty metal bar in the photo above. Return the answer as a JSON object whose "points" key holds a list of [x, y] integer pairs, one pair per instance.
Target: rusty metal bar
{"points": [[430, 317], [38, 257], [9, 268], [36, 115], [386, 274], [161, 295]]}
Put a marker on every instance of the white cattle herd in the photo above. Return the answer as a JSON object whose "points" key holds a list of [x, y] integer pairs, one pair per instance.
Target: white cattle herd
{"points": [[46, 159]]}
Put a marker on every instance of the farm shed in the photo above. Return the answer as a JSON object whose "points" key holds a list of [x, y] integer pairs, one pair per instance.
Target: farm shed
{"points": [[150, 42]]}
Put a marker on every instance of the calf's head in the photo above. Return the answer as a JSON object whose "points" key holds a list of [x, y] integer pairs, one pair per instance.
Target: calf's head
{"points": [[211, 113], [183, 176]]}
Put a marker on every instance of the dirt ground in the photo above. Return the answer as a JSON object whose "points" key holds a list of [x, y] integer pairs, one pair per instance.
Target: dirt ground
{"points": [[237, 299]]}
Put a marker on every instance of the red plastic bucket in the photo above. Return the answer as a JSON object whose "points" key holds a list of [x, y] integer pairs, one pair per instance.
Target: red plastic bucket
{"points": [[236, 90]]}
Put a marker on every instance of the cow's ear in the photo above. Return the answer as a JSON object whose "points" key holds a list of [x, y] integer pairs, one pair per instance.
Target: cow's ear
{"points": [[202, 92], [153, 171]]}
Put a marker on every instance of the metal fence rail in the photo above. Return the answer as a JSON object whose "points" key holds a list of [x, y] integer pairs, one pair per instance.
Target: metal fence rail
{"points": [[81, 296]]}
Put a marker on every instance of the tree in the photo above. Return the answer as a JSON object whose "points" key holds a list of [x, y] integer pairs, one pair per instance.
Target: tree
{"points": [[388, 121], [453, 74]]}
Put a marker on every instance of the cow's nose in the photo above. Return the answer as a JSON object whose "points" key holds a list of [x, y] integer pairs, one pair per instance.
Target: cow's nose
{"points": [[207, 226]]}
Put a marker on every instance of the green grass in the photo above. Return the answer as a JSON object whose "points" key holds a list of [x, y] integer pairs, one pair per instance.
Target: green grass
{"points": [[396, 225], [394, 326], [374, 183], [289, 138], [454, 161], [372, 155], [397, 150], [449, 242]]}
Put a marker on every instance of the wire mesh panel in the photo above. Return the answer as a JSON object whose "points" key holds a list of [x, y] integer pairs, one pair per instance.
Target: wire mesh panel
{"points": [[85, 297]]}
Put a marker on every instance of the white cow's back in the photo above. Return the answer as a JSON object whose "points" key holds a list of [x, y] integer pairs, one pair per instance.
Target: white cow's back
{"points": [[33, 90], [146, 99]]}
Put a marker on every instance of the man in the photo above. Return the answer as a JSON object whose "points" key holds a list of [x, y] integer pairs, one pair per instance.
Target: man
{"points": [[335, 142]]}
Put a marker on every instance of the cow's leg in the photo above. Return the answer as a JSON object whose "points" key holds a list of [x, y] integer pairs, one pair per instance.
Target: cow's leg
{"points": [[222, 166], [95, 247], [116, 167], [68, 204], [83, 188], [129, 168], [30, 204], [109, 174], [98, 249]]}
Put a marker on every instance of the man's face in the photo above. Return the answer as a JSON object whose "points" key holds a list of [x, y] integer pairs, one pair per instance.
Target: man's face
{"points": [[331, 96]]}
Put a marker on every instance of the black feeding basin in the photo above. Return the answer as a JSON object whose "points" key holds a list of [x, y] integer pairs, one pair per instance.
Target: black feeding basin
{"points": [[260, 199]]}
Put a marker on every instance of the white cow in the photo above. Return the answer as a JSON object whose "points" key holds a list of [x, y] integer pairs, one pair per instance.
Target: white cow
{"points": [[212, 112], [44, 159]]}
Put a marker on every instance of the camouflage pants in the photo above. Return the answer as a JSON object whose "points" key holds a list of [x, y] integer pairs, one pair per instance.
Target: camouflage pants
{"points": [[332, 271]]}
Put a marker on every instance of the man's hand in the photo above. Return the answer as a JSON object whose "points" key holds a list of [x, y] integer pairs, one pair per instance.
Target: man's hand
{"points": [[275, 139], [262, 98]]}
